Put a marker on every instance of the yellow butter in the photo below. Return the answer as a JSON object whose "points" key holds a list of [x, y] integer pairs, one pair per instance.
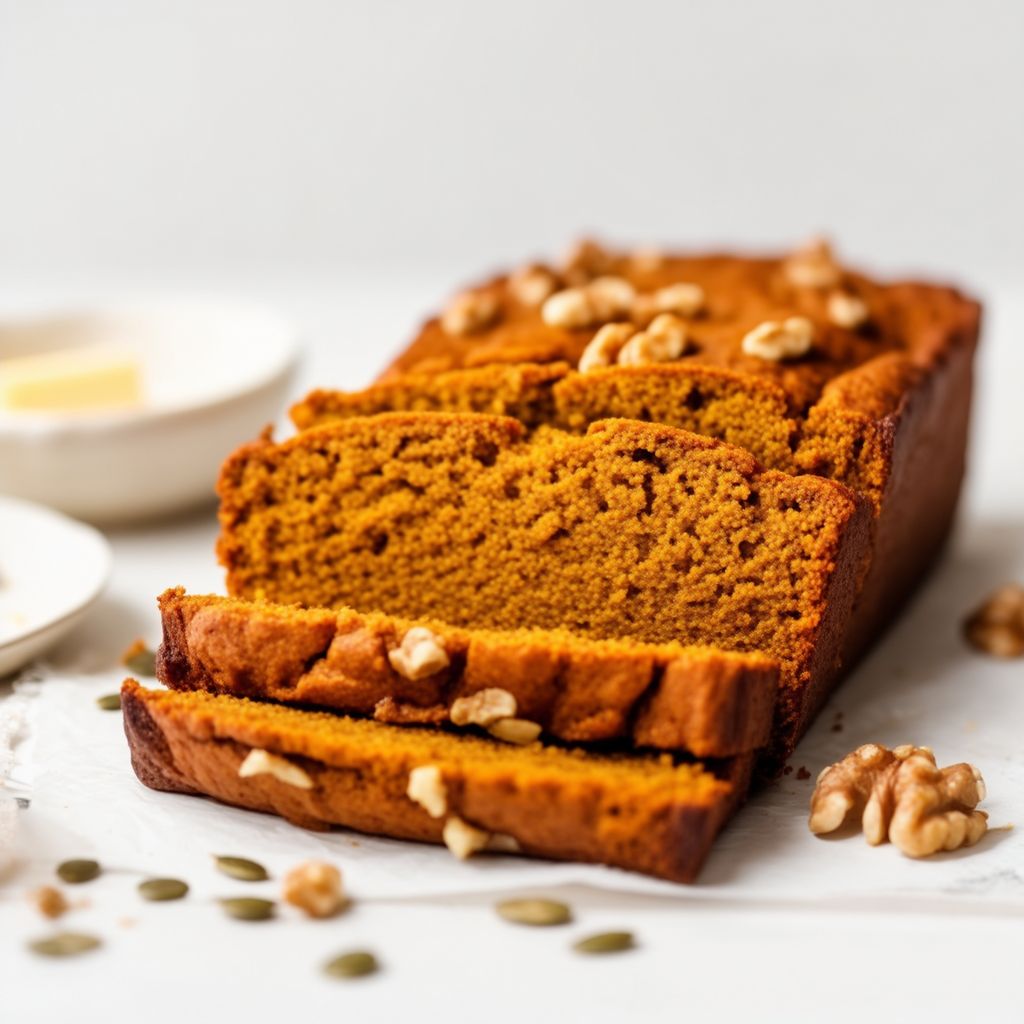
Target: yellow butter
{"points": [[70, 380]]}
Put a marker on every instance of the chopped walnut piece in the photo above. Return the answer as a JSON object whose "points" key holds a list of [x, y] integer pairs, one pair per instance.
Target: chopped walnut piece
{"points": [[262, 762], [426, 787], [602, 300], [775, 341], [315, 887], [813, 266], [464, 839], [50, 902], [570, 308], [586, 260], [470, 312], [683, 299], [610, 297], [846, 310], [997, 627], [663, 341], [646, 260], [420, 654], [532, 285], [605, 346], [901, 795], [485, 707], [514, 730]]}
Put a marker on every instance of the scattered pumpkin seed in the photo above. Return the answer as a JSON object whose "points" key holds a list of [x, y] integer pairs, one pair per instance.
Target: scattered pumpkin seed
{"points": [[160, 889], [64, 944], [74, 872], [537, 912], [351, 965], [109, 702], [605, 942], [243, 869], [248, 908]]}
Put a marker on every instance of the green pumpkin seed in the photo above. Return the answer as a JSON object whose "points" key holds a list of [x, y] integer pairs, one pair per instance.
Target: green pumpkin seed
{"points": [[540, 913], [605, 942], [160, 889], [64, 944], [242, 869], [142, 663], [248, 908], [351, 965], [74, 872], [109, 702]]}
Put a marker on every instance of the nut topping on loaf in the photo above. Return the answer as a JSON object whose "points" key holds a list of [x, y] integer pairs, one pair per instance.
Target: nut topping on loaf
{"points": [[813, 265], [777, 341], [471, 312]]}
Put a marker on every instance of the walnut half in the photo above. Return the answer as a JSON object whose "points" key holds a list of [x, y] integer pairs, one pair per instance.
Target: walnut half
{"points": [[901, 795], [997, 627]]}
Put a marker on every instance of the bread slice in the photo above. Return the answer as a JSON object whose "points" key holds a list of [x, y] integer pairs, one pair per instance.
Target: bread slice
{"points": [[643, 813], [710, 703], [631, 531]]}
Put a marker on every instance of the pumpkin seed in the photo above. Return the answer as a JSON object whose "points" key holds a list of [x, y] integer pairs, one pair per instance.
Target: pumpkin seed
{"points": [[605, 942], [248, 908], [160, 889], [540, 913], [243, 869], [351, 965], [141, 663], [109, 702], [64, 944], [74, 872]]}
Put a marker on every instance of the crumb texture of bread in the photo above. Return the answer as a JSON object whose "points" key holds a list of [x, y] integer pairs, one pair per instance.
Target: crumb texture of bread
{"points": [[631, 531], [708, 702], [644, 813]]}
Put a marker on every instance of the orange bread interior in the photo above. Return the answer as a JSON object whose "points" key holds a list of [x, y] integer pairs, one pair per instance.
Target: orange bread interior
{"points": [[632, 531]]}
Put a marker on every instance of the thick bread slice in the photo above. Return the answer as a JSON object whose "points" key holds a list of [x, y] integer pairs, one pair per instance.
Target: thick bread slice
{"points": [[710, 703], [643, 813]]}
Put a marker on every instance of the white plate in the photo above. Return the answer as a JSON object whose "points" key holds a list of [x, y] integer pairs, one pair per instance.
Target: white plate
{"points": [[214, 375], [51, 570]]}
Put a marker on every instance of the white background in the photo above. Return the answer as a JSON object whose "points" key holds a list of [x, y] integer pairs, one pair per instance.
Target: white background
{"points": [[348, 162], [227, 134]]}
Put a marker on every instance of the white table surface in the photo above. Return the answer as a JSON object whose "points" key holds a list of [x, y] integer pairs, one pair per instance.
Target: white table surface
{"points": [[737, 951]]}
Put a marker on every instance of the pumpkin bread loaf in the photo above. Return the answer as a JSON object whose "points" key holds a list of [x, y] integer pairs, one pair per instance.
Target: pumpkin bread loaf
{"points": [[647, 813], [710, 703], [632, 531], [876, 396]]}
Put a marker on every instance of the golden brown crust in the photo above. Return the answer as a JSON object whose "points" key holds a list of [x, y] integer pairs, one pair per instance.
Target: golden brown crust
{"points": [[910, 317], [707, 702], [640, 813]]}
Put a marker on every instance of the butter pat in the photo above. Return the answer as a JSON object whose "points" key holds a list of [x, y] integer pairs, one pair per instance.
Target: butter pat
{"points": [[70, 380]]}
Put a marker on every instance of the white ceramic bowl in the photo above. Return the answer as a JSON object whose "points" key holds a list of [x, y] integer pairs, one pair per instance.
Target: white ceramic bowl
{"points": [[214, 375]]}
